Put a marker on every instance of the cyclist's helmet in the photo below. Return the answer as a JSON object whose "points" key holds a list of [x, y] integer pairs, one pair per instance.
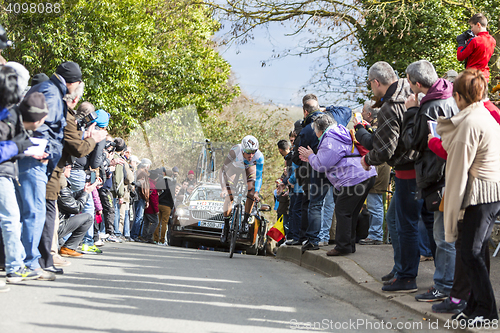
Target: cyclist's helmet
{"points": [[250, 144], [4, 41]]}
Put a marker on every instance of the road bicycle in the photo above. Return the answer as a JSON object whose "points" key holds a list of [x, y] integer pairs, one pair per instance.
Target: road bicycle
{"points": [[206, 166], [236, 219]]}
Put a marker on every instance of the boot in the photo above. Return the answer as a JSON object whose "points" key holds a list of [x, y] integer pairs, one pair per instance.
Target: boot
{"points": [[225, 231]]}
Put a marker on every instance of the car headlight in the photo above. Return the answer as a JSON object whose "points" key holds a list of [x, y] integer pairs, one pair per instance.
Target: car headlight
{"points": [[182, 212]]}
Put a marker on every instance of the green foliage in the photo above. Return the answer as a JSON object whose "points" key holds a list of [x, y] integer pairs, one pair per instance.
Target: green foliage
{"points": [[139, 58], [400, 36], [401, 32]]}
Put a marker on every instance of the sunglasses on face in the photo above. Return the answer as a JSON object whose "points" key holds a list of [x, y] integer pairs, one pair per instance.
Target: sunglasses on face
{"points": [[250, 151]]}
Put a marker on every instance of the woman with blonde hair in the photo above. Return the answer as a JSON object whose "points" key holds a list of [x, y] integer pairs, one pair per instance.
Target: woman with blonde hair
{"points": [[472, 184]]}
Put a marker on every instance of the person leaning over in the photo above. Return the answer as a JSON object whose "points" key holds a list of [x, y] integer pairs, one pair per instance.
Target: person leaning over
{"points": [[472, 184], [339, 159]]}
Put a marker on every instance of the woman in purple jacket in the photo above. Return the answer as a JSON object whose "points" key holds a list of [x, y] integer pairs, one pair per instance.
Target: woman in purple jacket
{"points": [[340, 160]]}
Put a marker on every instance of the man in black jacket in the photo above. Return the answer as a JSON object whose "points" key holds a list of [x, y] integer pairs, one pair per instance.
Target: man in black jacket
{"points": [[70, 205], [314, 183], [429, 168]]}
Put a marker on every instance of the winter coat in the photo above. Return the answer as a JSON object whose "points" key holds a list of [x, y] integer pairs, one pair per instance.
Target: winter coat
{"points": [[53, 129], [97, 200], [73, 146], [153, 199], [333, 158], [471, 139], [9, 128], [387, 146], [69, 202], [166, 185], [438, 102], [307, 137]]}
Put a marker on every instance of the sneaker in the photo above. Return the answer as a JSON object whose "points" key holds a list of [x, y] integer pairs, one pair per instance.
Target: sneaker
{"points": [[99, 243], [388, 277], [432, 295], [104, 236], [45, 275], [23, 274], [115, 239], [388, 282], [3, 287], [291, 242], [66, 252], [460, 316], [424, 258], [309, 246], [130, 239], [449, 307], [59, 261], [369, 241], [402, 286], [91, 249], [323, 243]]}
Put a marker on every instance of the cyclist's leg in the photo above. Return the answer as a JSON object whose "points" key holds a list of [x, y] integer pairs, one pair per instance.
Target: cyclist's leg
{"points": [[250, 173], [228, 179]]}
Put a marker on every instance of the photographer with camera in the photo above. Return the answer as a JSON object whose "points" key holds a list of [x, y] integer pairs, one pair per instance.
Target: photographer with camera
{"points": [[476, 46], [77, 145]]}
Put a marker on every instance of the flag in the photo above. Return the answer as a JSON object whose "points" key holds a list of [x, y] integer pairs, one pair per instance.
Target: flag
{"points": [[277, 232]]}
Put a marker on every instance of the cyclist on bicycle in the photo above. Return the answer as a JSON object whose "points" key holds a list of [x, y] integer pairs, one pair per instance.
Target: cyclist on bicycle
{"points": [[243, 159]]}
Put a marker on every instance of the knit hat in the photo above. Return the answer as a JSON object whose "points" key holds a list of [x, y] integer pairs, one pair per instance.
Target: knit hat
{"points": [[146, 161], [23, 76], [39, 78], [191, 172], [70, 71], [175, 169], [450, 75], [102, 119], [120, 145], [34, 107]]}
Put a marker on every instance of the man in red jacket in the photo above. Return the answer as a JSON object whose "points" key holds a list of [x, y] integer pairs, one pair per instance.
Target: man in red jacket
{"points": [[476, 51]]}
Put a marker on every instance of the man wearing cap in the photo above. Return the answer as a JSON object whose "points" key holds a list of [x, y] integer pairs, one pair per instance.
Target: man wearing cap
{"points": [[33, 173]]}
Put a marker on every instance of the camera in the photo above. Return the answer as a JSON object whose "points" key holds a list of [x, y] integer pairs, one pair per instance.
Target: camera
{"points": [[85, 121], [90, 176]]}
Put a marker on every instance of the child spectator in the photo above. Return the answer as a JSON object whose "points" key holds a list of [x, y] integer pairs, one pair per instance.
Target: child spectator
{"points": [[476, 51]]}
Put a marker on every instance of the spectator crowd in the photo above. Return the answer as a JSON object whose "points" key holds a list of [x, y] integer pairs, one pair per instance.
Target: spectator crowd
{"points": [[435, 134]]}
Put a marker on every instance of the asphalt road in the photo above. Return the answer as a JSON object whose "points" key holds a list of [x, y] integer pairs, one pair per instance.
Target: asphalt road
{"points": [[136, 287]]}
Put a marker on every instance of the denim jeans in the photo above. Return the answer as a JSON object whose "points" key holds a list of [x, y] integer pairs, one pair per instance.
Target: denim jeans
{"points": [[327, 216], [318, 189], [390, 218], [116, 203], [445, 257], [77, 180], [375, 207], [31, 199], [139, 216], [408, 213], [10, 221], [424, 245], [295, 216], [126, 224]]}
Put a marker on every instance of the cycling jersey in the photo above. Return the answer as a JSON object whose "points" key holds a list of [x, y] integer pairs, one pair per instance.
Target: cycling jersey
{"points": [[236, 158]]}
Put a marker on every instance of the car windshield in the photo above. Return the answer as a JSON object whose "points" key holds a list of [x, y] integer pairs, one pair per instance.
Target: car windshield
{"points": [[204, 193]]}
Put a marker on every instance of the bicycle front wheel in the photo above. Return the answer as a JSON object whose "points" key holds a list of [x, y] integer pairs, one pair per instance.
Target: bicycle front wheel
{"points": [[235, 225]]}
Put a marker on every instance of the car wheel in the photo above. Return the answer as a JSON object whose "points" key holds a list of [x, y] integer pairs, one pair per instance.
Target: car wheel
{"points": [[171, 240]]}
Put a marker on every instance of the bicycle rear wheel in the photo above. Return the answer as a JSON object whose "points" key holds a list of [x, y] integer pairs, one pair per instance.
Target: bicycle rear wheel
{"points": [[235, 225]]}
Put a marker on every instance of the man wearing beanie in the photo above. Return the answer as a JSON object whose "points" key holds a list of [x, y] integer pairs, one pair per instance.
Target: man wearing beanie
{"points": [[34, 173], [190, 178]]}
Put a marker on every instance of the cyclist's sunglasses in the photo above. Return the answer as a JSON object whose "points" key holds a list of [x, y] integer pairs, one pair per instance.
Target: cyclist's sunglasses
{"points": [[250, 151]]}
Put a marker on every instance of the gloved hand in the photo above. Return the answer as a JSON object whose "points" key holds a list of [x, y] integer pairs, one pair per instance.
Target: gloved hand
{"points": [[22, 142], [462, 38]]}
